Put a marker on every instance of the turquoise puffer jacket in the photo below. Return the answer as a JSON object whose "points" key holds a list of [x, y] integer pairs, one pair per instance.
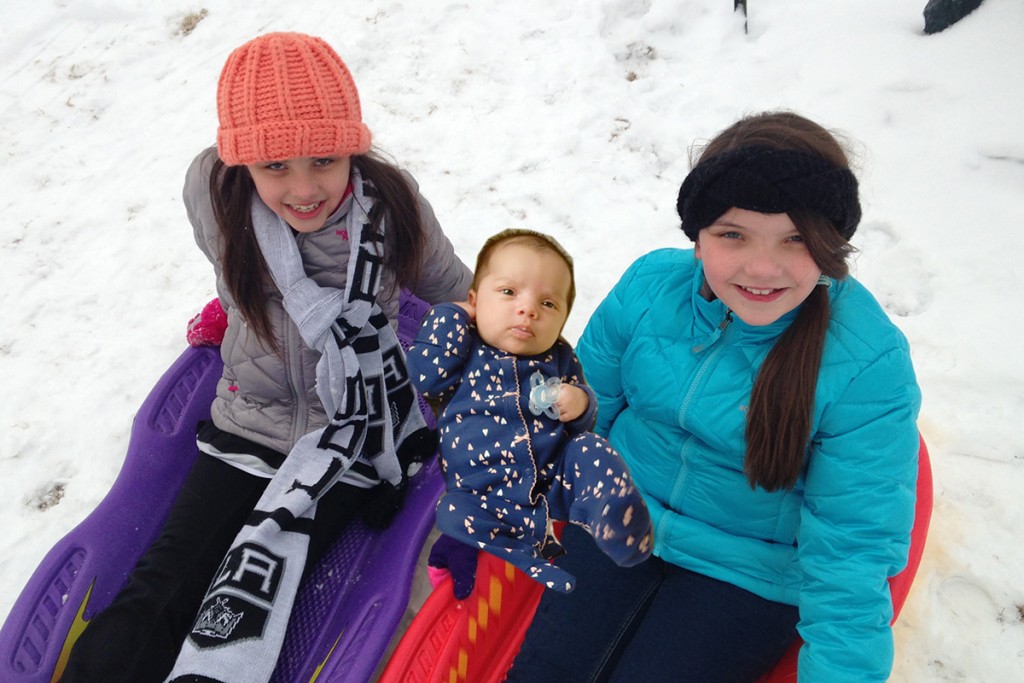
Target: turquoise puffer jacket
{"points": [[672, 390]]}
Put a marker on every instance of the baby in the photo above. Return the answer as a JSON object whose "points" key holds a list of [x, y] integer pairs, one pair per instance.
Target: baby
{"points": [[515, 444]]}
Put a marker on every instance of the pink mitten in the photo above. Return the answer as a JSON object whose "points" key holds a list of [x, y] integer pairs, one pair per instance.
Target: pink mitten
{"points": [[207, 327]]}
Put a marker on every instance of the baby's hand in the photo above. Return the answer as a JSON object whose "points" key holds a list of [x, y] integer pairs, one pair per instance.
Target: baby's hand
{"points": [[572, 402], [469, 308]]}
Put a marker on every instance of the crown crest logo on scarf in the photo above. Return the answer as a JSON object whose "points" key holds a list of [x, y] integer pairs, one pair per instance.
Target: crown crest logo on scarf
{"points": [[218, 620]]}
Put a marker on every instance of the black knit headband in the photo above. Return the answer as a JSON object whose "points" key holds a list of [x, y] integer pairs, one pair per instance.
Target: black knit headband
{"points": [[768, 181]]}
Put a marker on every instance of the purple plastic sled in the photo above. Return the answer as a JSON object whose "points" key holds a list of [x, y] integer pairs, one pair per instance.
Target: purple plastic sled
{"points": [[346, 612]]}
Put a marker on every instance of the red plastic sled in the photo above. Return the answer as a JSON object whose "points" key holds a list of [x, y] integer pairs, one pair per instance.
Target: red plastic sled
{"points": [[475, 640]]}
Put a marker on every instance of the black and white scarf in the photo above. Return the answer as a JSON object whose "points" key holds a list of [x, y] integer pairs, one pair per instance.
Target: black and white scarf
{"points": [[362, 381]]}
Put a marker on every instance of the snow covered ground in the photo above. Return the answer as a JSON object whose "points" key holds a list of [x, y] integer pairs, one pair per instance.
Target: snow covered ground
{"points": [[571, 117]]}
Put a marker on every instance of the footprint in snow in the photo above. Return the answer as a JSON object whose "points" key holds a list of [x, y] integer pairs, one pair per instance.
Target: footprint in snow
{"points": [[883, 253]]}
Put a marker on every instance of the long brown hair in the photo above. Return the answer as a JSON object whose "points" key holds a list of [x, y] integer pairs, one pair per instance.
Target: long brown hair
{"points": [[245, 270], [781, 407]]}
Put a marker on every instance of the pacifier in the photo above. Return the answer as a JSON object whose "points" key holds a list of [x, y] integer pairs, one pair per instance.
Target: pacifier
{"points": [[544, 394]]}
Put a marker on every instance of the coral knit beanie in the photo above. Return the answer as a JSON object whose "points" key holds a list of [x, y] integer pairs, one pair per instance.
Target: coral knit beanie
{"points": [[287, 95]]}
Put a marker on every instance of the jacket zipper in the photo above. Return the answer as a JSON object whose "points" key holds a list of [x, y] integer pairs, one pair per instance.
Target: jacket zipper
{"points": [[698, 378], [716, 336]]}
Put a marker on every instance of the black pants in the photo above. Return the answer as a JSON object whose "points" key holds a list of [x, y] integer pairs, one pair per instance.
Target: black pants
{"points": [[651, 622], [137, 638]]}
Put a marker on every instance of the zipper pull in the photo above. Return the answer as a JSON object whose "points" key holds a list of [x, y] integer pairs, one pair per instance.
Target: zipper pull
{"points": [[716, 334]]}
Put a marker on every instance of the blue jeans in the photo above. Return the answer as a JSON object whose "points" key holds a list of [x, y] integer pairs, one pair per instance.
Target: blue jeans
{"points": [[651, 622]]}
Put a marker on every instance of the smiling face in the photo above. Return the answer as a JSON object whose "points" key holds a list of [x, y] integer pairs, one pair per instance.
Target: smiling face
{"points": [[757, 264], [522, 299], [303, 191]]}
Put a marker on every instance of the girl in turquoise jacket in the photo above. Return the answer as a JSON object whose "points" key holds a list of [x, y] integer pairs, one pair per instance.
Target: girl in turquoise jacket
{"points": [[767, 409]]}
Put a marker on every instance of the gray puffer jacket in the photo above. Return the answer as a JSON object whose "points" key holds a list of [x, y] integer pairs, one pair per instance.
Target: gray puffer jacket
{"points": [[269, 398]]}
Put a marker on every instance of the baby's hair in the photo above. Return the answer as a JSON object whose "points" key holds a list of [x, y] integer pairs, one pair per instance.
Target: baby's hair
{"points": [[529, 238]]}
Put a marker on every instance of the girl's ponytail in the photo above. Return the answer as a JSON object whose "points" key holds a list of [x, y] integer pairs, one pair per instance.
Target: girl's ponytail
{"points": [[781, 162], [782, 401]]}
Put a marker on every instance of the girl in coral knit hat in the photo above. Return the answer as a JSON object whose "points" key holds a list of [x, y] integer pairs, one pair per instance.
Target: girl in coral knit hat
{"points": [[311, 236]]}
